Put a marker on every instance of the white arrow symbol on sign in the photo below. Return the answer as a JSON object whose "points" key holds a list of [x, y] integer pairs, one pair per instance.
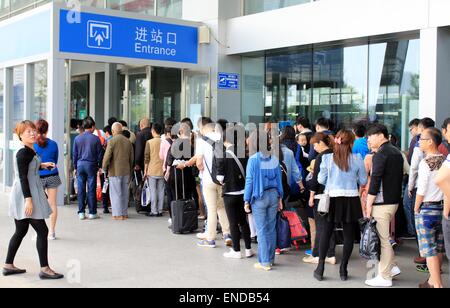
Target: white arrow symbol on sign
{"points": [[99, 39]]}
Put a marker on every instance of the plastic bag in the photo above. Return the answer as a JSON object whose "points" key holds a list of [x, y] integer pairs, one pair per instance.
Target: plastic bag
{"points": [[283, 232], [146, 194], [99, 191], [370, 245]]}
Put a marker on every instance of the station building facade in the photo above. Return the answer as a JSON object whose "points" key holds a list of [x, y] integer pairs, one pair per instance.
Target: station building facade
{"points": [[242, 60]]}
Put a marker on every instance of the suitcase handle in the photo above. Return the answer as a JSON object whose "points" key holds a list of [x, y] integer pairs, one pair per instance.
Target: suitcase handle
{"points": [[182, 183]]}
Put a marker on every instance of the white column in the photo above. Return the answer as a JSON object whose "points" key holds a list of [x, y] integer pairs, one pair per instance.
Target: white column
{"points": [[434, 74], [56, 114], [92, 95]]}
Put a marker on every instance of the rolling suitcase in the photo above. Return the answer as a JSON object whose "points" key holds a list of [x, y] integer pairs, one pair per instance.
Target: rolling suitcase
{"points": [[184, 212]]}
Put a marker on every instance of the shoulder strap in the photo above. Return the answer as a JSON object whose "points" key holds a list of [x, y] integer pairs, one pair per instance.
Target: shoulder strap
{"points": [[238, 162]]}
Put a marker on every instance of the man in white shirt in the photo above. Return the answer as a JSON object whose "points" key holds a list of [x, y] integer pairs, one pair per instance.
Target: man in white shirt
{"points": [[417, 157], [443, 181], [212, 192], [429, 207]]}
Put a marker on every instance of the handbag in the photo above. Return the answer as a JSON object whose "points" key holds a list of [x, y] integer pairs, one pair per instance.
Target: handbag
{"points": [[283, 231], [146, 194], [324, 199]]}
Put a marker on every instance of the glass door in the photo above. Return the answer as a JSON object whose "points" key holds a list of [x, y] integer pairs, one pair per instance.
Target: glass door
{"points": [[197, 95], [79, 106], [135, 102]]}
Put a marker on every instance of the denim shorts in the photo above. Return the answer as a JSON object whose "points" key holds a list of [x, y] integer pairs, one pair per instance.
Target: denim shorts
{"points": [[429, 231]]}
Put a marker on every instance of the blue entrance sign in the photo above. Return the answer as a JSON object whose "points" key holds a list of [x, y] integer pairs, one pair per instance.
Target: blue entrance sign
{"points": [[128, 38], [228, 81]]}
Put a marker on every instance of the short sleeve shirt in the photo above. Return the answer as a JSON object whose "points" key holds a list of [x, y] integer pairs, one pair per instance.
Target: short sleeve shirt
{"points": [[447, 162]]}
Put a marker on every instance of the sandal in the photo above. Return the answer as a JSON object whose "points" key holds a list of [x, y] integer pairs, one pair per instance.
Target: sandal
{"points": [[422, 268]]}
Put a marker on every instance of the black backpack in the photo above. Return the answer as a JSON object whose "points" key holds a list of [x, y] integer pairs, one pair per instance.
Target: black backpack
{"points": [[218, 152]]}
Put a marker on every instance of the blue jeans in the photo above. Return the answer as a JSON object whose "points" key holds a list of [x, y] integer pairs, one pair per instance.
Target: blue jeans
{"points": [[265, 214], [408, 206], [87, 174]]}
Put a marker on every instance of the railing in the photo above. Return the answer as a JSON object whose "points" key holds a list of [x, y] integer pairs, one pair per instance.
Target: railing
{"points": [[9, 12]]}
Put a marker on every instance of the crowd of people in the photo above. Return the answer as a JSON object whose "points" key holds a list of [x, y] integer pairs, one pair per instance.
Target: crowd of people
{"points": [[240, 178]]}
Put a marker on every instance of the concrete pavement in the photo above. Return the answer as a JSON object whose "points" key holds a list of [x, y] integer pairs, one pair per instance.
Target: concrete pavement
{"points": [[142, 252]]}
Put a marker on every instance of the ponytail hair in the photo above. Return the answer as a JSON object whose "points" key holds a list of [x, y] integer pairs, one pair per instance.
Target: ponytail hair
{"points": [[328, 140], [42, 129], [343, 146]]}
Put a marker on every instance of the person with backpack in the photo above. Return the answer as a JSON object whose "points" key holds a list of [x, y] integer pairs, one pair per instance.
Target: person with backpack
{"points": [[263, 195], [342, 173], [231, 173], [212, 190]]}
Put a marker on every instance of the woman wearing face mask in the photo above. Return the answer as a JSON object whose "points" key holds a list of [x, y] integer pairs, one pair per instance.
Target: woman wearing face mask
{"points": [[28, 203]]}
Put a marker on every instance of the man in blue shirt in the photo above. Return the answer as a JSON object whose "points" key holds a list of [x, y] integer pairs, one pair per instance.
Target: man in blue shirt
{"points": [[360, 146], [87, 157]]}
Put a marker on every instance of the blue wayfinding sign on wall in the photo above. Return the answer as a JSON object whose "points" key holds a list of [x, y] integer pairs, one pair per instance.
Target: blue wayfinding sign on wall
{"points": [[228, 81], [128, 38]]}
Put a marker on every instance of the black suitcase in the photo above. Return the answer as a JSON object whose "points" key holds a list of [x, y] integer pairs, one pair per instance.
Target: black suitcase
{"points": [[184, 212]]}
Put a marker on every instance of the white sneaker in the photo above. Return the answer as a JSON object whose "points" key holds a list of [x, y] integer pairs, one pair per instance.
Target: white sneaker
{"points": [[311, 260], [52, 237], [233, 254], [395, 271], [202, 236], [379, 282], [169, 221], [331, 261], [249, 253], [82, 216], [93, 217]]}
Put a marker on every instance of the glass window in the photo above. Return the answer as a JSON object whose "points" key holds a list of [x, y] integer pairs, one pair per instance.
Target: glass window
{"points": [[394, 85], [340, 83], [4, 7], [16, 115], [197, 93], [253, 89], [20, 4], [18, 107], [376, 82], [257, 6], [288, 85], [93, 3], [39, 103], [137, 6], [170, 8]]}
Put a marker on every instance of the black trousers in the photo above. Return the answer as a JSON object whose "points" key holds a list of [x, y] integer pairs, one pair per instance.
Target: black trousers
{"points": [[22, 227], [320, 222], [234, 206], [349, 241]]}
